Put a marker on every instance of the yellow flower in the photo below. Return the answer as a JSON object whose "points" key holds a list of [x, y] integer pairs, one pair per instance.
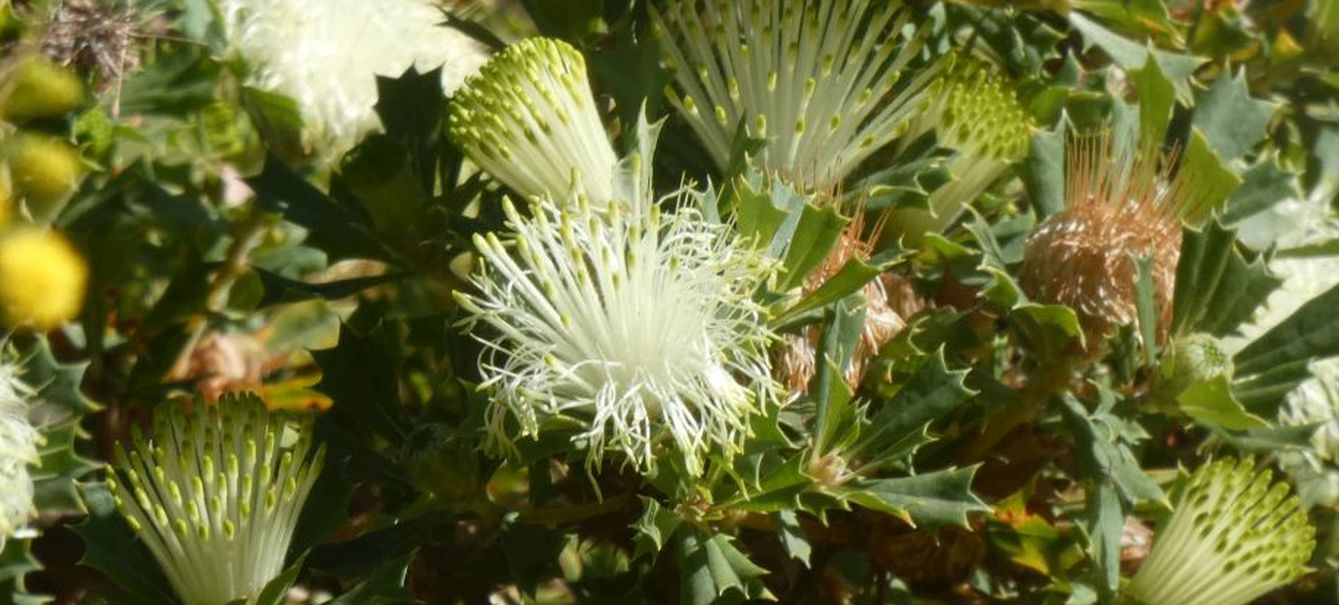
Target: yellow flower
{"points": [[42, 279]]}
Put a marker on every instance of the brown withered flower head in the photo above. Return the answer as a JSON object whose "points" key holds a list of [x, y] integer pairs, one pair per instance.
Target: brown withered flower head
{"points": [[1119, 206], [93, 37], [887, 302]]}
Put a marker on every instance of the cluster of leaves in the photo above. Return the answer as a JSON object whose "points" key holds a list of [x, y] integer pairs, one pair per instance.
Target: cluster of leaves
{"points": [[989, 455]]}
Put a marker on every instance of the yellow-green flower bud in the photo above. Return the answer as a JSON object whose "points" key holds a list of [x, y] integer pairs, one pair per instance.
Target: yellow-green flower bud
{"points": [[38, 88]]}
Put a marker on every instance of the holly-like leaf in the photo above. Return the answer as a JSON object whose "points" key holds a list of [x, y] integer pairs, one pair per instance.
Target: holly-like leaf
{"points": [[56, 382], [61, 467], [1311, 332], [836, 417], [385, 586], [1131, 56], [900, 424], [1211, 402], [16, 562], [712, 571], [654, 528], [1232, 121], [928, 499], [1043, 171], [792, 537], [359, 375], [111, 547], [814, 237], [1216, 288], [1048, 330]]}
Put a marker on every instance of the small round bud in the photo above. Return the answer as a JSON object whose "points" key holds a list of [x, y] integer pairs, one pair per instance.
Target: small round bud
{"points": [[1191, 360], [42, 279], [38, 88], [45, 170]]}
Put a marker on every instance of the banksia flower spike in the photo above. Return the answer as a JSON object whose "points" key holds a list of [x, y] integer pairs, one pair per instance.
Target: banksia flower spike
{"points": [[215, 493], [1235, 535], [529, 119], [821, 82], [638, 325], [18, 450], [973, 110], [326, 55], [1119, 204]]}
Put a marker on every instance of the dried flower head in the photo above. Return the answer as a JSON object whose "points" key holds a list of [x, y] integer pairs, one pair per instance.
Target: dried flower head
{"points": [[820, 82], [1235, 535], [326, 55], [18, 450], [215, 493], [797, 360], [973, 110], [1119, 204], [93, 37], [529, 119], [639, 326]]}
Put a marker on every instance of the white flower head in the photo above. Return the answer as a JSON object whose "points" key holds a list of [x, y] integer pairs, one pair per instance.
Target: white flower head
{"points": [[1234, 536], [820, 82], [326, 55], [215, 493], [18, 450], [638, 325], [529, 119]]}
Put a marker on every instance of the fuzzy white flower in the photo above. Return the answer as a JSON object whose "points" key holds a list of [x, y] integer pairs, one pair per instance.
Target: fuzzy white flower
{"points": [[1235, 535], [18, 450], [529, 119], [326, 54], [820, 82], [637, 325], [215, 493]]}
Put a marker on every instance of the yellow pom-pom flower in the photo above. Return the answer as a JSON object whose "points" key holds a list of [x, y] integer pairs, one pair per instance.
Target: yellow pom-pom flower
{"points": [[42, 279]]}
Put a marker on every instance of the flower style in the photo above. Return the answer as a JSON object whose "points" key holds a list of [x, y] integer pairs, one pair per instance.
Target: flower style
{"points": [[975, 111], [529, 119], [18, 450], [639, 325], [326, 54], [1119, 204], [820, 82], [215, 493], [1234, 536]]}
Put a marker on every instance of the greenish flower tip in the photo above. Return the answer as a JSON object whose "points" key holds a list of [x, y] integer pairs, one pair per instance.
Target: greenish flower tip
{"points": [[1235, 535], [974, 108], [529, 119], [215, 492]]}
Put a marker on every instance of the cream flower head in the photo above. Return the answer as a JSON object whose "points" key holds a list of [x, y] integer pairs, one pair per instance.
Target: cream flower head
{"points": [[326, 55], [1235, 535], [638, 326], [215, 492], [820, 82], [18, 450], [529, 119]]}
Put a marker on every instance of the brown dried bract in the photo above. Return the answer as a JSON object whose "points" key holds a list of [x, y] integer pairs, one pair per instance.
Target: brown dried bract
{"points": [[887, 302]]}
